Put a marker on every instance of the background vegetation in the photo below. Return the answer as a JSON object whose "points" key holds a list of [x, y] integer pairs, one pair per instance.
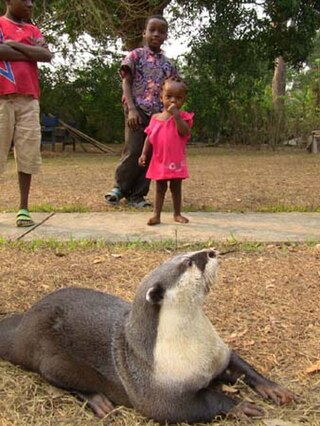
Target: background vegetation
{"points": [[253, 67]]}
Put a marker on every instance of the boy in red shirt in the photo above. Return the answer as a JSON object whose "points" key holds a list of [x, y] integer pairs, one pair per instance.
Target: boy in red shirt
{"points": [[21, 47]]}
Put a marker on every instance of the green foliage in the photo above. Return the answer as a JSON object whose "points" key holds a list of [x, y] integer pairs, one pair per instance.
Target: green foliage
{"points": [[229, 70], [88, 98], [104, 20], [227, 78], [290, 28]]}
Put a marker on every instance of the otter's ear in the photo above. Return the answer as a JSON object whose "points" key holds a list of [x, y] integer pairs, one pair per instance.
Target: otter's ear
{"points": [[155, 294]]}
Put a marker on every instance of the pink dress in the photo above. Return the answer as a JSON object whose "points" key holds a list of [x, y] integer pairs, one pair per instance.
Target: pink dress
{"points": [[168, 159]]}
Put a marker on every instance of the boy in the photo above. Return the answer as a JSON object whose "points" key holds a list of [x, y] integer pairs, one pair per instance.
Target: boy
{"points": [[142, 71], [21, 47]]}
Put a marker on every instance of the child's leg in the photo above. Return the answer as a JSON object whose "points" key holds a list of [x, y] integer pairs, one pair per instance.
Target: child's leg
{"points": [[24, 186], [176, 192], [27, 139], [161, 189], [129, 176]]}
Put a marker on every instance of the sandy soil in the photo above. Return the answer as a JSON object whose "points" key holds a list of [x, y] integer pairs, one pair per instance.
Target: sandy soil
{"points": [[220, 180]]}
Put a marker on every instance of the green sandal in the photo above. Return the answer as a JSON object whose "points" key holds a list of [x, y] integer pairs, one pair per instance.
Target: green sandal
{"points": [[23, 219]]}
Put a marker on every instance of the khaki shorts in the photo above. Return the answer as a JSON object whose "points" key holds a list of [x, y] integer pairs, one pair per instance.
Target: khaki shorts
{"points": [[20, 124]]}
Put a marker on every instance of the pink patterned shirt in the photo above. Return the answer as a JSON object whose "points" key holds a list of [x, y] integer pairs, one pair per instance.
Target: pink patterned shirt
{"points": [[148, 69]]}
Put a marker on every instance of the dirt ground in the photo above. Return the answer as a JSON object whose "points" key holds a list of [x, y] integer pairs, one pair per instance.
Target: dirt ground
{"points": [[265, 303], [220, 180]]}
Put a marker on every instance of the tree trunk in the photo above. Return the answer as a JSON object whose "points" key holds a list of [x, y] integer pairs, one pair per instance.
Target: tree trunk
{"points": [[278, 99], [132, 15]]}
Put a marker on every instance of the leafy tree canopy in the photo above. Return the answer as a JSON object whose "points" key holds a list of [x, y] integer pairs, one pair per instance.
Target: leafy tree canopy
{"points": [[286, 27], [101, 19]]}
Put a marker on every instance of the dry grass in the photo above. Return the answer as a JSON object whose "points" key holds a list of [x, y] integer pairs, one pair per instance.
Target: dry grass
{"points": [[265, 303], [220, 180]]}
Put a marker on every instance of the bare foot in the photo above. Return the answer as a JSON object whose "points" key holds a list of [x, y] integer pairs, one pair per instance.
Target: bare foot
{"points": [[180, 219], [155, 220]]}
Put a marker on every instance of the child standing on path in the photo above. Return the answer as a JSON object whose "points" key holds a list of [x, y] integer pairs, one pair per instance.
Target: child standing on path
{"points": [[21, 47], [168, 134], [142, 72]]}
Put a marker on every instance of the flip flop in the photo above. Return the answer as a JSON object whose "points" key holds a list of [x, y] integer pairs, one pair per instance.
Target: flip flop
{"points": [[141, 204], [113, 197], [23, 219]]}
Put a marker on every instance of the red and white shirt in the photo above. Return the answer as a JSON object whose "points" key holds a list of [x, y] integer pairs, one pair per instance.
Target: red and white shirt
{"points": [[19, 77]]}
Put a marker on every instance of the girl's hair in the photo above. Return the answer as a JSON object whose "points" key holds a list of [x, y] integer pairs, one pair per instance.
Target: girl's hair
{"points": [[176, 79], [160, 17]]}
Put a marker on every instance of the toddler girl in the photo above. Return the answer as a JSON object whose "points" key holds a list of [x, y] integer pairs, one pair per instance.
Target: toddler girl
{"points": [[168, 134]]}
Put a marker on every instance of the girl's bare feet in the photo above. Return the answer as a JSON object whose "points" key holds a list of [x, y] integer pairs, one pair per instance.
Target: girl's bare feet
{"points": [[180, 219], [155, 220]]}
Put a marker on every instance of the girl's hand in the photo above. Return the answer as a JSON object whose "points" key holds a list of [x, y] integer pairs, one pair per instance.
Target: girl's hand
{"points": [[173, 110], [134, 119], [142, 160]]}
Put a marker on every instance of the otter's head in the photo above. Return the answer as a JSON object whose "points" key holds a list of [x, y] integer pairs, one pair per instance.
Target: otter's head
{"points": [[174, 290], [186, 278]]}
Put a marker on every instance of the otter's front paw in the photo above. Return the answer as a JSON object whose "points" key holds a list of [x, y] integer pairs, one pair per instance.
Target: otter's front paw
{"points": [[98, 402], [276, 393], [246, 409]]}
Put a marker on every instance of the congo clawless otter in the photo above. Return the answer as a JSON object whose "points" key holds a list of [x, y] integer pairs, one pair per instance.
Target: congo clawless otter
{"points": [[159, 354]]}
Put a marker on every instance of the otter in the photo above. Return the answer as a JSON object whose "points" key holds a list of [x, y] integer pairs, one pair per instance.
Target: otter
{"points": [[160, 354]]}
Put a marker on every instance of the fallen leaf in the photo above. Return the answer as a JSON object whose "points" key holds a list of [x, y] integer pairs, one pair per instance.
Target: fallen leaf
{"points": [[313, 368], [249, 343], [116, 256], [235, 336], [278, 422]]}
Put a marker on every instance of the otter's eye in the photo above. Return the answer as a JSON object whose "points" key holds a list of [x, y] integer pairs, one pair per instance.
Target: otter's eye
{"points": [[190, 262]]}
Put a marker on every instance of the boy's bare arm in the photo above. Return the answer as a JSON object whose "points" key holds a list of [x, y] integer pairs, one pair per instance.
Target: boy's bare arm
{"points": [[7, 53], [127, 90], [37, 53], [134, 119]]}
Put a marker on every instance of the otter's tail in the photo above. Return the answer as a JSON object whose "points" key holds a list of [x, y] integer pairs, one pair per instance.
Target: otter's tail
{"points": [[7, 333]]}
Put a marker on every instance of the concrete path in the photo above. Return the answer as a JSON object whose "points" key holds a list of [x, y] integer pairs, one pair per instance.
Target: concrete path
{"points": [[131, 226]]}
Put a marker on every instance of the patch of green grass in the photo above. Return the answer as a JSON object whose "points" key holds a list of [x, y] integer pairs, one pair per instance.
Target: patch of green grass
{"points": [[282, 208], [192, 208], [170, 246], [48, 208]]}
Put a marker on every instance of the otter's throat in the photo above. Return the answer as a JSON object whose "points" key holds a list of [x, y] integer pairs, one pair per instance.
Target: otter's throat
{"points": [[188, 349]]}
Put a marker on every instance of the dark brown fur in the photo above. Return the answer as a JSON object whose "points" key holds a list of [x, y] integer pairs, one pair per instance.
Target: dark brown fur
{"points": [[102, 348]]}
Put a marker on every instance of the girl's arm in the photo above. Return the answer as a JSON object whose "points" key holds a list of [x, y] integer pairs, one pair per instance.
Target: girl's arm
{"points": [[183, 128], [145, 151], [35, 53]]}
